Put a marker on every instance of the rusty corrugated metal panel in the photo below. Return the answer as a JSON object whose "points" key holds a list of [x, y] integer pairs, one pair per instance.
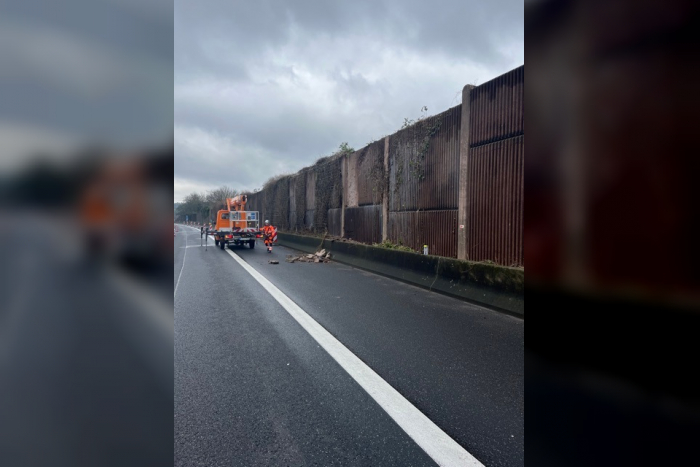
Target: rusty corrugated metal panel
{"points": [[334, 216], [424, 163], [495, 202], [497, 108], [437, 229], [369, 170], [364, 224]]}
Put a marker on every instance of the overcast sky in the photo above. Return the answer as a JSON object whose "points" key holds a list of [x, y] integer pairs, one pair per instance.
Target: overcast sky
{"points": [[267, 87], [77, 72]]}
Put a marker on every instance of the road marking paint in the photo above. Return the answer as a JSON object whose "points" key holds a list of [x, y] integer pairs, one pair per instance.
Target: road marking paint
{"points": [[436, 443], [182, 268]]}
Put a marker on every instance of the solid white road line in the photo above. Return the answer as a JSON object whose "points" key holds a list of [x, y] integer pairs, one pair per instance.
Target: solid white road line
{"points": [[183, 266], [436, 443]]}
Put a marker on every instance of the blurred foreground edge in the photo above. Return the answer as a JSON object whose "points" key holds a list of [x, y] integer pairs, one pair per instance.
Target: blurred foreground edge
{"points": [[86, 325], [610, 231]]}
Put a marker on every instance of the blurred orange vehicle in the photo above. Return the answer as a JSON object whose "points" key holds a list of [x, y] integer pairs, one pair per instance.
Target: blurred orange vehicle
{"points": [[124, 210]]}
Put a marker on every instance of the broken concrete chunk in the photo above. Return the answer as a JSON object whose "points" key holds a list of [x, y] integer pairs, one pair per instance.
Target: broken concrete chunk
{"points": [[315, 258]]}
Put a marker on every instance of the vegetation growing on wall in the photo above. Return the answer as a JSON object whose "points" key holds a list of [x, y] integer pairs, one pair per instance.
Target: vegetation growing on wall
{"points": [[343, 150], [299, 200], [422, 193], [270, 181], [329, 190], [388, 244], [408, 152], [370, 162], [410, 148], [276, 202]]}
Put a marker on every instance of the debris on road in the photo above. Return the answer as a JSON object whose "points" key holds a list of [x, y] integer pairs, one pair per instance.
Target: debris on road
{"points": [[273, 261], [318, 257]]}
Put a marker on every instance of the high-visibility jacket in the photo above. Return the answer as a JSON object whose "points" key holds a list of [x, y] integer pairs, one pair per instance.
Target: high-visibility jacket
{"points": [[270, 233]]}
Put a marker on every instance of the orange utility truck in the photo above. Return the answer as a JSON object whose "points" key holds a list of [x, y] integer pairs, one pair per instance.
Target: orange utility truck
{"points": [[235, 225]]}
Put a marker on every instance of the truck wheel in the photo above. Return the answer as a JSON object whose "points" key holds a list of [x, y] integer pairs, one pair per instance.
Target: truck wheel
{"points": [[222, 245], [252, 244]]}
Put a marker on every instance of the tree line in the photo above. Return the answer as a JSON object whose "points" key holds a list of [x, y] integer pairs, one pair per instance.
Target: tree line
{"points": [[202, 207]]}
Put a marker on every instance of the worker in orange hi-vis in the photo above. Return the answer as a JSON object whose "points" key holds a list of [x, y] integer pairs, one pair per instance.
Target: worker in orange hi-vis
{"points": [[269, 235]]}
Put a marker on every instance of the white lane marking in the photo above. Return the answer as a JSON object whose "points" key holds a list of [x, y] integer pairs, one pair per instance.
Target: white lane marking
{"points": [[436, 443], [182, 268]]}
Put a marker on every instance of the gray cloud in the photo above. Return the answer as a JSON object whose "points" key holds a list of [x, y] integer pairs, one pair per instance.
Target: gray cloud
{"points": [[270, 86], [89, 71]]}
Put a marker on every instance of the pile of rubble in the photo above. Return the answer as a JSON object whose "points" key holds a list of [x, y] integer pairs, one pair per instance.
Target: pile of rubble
{"points": [[318, 257]]}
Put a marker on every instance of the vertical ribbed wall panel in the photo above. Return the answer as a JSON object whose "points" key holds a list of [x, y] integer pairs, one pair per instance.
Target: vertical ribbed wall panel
{"points": [[437, 229], [496, 108], [423, 183], [364, 223], [495, 208], [334, 216], [426, 179], [370, 174]]}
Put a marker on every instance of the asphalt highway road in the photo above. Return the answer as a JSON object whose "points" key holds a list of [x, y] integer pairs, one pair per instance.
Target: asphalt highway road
{"points": [[253, 387], [85, 354]]}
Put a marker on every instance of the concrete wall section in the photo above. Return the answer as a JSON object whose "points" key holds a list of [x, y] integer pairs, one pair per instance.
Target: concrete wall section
{"points": [[453, 181], [496, 287], [424, 164], [414, 229], [364, 224]]}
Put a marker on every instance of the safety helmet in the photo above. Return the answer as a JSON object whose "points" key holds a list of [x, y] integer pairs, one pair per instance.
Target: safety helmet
{"points": [[267, 222]]}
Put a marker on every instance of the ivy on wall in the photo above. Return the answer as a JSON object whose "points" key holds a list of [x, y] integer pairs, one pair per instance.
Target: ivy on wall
{"points": [[329, 189]]}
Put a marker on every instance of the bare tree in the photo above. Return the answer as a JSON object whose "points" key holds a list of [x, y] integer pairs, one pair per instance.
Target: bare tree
{"points": [[216, 199]]}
